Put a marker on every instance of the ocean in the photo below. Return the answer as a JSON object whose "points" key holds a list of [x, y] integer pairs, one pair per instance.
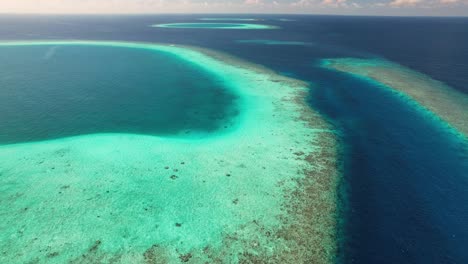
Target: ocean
{"points": [[404, 192]]}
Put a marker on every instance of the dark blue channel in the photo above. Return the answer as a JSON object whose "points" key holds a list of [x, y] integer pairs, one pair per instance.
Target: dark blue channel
{"points": [[405, 174]]}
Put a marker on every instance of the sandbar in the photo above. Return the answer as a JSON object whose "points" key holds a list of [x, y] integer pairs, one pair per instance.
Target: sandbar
{"points": [[444, 102], [227, 19], [215, 26]]}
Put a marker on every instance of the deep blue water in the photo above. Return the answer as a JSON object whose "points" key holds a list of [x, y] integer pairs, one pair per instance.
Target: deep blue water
{"points": [[406, 177]]}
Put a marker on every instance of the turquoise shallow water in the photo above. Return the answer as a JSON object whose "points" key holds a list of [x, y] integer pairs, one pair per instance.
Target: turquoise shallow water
{"points": [[58, 91], [227, 19], [216, 26], [406, 174], [130, 198]]}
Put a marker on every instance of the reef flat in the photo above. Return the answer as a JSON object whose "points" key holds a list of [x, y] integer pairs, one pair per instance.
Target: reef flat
{"points": [[215, 26], [265, 191], [227, 19], [444, 102]]}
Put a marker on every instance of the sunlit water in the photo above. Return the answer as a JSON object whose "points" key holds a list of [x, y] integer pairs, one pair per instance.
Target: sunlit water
{"points": [[405, 175]]}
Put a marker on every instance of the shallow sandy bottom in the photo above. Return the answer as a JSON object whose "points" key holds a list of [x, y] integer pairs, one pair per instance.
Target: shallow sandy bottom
{"points": [[227, 19], [445, 103], [215, 26], [265, 192]]}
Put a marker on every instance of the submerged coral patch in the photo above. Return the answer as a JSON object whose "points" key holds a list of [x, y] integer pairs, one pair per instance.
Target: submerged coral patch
{"points": [[263, 192]]}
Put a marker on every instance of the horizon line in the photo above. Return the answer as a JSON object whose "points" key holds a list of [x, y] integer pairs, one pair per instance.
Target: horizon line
{"points": [[221, 13]]}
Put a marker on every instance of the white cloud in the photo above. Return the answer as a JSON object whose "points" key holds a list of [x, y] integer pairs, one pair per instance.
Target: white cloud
{"points": [[428, 4], [253, 2], [301, 3], [403, 3], [418, 7], [448, 2], [334, 3]]}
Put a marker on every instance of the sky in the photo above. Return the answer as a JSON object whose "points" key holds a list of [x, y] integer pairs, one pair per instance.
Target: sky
{"points": [[343, 7]]}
